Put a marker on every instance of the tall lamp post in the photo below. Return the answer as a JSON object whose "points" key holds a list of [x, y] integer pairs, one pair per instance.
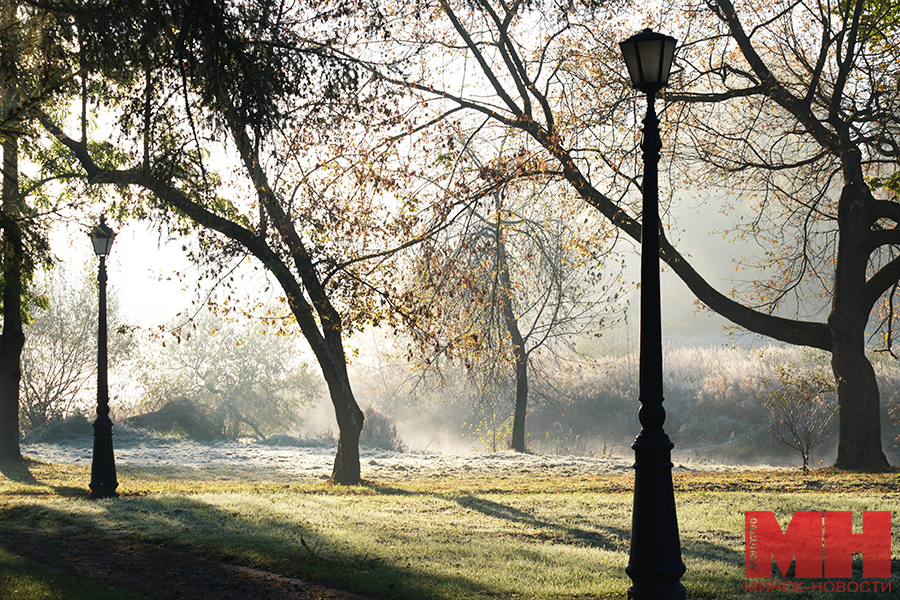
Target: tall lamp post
{"points": [[103, 466], [654, 563]]}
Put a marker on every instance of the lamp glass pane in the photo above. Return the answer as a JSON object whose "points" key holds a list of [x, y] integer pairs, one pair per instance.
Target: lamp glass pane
{"points": [[101, 245], [648, 56], [629, 53], [649, 53], [102, 238], [668, 54]]}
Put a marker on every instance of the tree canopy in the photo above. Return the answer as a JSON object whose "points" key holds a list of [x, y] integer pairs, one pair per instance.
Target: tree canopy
{"points": [[315, 189], [798, 100]]}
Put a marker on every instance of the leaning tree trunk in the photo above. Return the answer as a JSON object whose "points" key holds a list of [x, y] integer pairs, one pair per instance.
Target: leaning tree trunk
{"points": [[12, 339], [349, 417], [859, 405], [328, 347]]}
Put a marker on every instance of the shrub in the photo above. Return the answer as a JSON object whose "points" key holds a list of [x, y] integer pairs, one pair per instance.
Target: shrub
{"points": [[236, 379], [183, 417], [799, 408], [379, 431], [74, 427]]}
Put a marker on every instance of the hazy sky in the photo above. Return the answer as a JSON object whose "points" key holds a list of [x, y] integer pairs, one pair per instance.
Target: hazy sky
{"points": [[140, 268], [143, 269]]}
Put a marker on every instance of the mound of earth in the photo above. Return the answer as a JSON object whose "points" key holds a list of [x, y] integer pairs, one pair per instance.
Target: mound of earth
{"points": [[182, 417]]}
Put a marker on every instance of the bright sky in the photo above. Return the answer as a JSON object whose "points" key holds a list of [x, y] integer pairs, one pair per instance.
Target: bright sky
{"points": [[141, 269]]}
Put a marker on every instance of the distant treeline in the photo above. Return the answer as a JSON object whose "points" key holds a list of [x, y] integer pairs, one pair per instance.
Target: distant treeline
{"points": [[713, 401]]}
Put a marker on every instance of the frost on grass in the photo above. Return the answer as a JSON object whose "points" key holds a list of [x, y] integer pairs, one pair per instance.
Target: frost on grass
{"points": [[285, 462]]}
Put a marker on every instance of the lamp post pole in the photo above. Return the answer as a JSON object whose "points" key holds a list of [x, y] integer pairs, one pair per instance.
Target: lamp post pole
{"points": [[103, 465], [654, 564]]}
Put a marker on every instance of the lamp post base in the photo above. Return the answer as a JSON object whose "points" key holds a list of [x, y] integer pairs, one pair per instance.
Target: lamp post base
{"points": [[662, 591], [655, 565], [103, 466]]}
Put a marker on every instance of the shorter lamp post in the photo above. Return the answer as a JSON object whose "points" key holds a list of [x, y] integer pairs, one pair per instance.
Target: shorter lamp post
{"points": [[654, 563], [103, 466]]}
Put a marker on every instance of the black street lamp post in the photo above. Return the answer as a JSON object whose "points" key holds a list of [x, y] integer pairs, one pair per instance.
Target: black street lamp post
{"points": [[103, 466], [654, 564]]}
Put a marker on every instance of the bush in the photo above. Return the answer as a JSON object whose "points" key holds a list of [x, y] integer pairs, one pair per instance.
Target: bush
{"points": [[800, 407], [74, 427], [379, 431], [183, 417], [235, 379]]}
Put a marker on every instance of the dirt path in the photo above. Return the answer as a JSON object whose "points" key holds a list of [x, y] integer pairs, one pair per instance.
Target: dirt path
{"points": [[161, 573]]}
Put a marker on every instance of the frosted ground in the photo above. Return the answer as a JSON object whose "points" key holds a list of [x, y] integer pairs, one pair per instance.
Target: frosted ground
{"points": [[288, 462]]}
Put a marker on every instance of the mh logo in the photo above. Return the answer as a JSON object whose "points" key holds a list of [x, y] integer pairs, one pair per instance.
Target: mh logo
{"points": [[822, 542]]}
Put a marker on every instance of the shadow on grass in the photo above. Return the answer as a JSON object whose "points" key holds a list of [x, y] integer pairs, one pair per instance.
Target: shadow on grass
{"points": [[332, 552], [602, 537], [278, 545], [607, 538], [22, 579], [19, 471], [611, 538]]}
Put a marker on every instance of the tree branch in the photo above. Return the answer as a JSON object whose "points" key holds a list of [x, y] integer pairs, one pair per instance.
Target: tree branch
{"points": [[879, 283], [171, 196]]}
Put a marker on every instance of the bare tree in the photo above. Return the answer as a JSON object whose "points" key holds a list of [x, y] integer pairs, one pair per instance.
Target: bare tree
{"points": [[59, 359], [518, 276], [799, 409]]}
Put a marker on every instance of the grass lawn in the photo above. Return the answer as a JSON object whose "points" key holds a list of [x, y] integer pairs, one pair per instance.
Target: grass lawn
{"points": [[430, 538]]}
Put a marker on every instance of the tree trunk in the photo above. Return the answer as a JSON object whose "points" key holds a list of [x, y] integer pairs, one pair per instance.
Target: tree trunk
{"points": [[517, 442], [12, 339], [518, 429], [331, 357], [350, 418], [859, 441], [346, 469], [328, 347], [859, 405], [11, 342]]}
